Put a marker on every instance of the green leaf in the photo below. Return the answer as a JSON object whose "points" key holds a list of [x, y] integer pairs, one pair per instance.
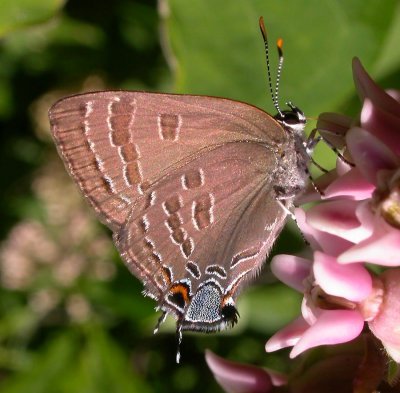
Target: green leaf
{"points": [[15, 14], [102, 367], [92, 364], [216, 49], [388, 61], [219, 51], [268, 308], [46, 368]]}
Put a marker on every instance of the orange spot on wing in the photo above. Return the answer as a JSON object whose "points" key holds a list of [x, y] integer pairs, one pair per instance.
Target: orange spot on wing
{"points": [[166, 275], [182, 289]]}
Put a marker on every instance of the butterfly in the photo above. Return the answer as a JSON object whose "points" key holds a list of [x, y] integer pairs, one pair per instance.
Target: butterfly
{"points": [[194, 188]]}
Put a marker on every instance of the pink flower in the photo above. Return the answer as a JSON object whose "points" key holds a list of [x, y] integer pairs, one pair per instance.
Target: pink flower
{"points": [[352, 226], [356, 222], [242, 378], [354, 367], [337, 300]]}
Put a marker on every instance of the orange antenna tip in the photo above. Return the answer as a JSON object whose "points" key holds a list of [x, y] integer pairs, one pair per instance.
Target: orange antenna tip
{"points": [[279, 44], [262, 28]]}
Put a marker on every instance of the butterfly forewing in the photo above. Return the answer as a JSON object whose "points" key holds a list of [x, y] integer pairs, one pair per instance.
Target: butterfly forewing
{"points": [[181, 180], [115, 144]]}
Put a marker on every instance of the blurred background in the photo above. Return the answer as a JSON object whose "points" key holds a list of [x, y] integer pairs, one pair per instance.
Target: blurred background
{"points": [[72, 318]]}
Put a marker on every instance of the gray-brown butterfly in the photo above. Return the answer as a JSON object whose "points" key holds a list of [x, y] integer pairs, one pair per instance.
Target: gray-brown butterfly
{"points": [[194, 188]]}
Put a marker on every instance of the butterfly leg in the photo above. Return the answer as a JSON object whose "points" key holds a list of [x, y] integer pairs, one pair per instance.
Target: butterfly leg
{"points": [[293, 217], [285, 209], [313, 140], [315, 186], [310, 144]]}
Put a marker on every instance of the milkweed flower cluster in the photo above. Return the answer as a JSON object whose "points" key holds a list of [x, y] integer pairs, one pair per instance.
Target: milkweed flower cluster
{"points": [[351, 283]]}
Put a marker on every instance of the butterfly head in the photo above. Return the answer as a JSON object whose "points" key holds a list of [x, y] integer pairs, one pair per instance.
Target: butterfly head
{"points": [[292, 120]]}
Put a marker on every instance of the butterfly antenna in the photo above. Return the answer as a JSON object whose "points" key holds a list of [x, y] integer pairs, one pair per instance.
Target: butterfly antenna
{"points": [[279, 45], [266, 46]]}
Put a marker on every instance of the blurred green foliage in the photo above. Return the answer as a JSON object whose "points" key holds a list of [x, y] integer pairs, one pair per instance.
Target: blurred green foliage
{"points": [[72, 319]]}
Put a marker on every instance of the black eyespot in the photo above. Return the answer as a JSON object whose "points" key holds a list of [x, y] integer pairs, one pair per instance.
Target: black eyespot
{"points": [[178, 299], [230, 314], [179, 294]]}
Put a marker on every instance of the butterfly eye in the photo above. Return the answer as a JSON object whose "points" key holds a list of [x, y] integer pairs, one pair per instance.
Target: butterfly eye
{"points": [[290, 118], [179, 295]]}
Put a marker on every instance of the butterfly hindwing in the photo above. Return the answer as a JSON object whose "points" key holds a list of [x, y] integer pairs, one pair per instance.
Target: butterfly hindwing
{"points": [[211, 212]]}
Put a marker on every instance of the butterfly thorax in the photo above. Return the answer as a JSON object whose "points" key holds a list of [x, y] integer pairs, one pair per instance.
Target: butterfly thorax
{"points": [[292, 173]]}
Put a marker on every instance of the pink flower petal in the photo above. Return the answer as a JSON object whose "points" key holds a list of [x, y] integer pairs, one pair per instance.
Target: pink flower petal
{"points": [[310, 194], [351, 184], [386, 323], [237, 377], [394, 94], [288, 336], [305, 229], [291, 270], [334, 122], [393, 351], [385, 126], [309, 311], [277, 378], [332, 327], [369, 154], [333, 127], [367, 88], [365, 215], [338, 218], [331, 244], [353, 282], [342, 167], [381, 249]]}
